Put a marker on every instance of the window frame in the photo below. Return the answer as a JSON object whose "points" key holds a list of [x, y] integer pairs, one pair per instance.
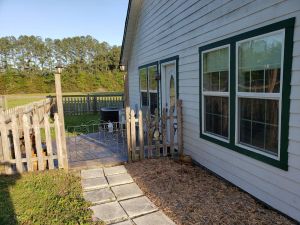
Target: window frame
{"points": [[214, 94], [280, 161], [259, 95], [147, 66]]}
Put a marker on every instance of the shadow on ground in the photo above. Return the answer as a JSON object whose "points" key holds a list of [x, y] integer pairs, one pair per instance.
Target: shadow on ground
{"points": [[7, 210]]}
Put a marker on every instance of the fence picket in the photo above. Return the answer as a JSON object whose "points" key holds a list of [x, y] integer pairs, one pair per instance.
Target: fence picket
{"points": [[16, 141], [157, 139], [141, 135], [48, 141], [149, 136], [58, 140], [38, 142], [127, 114], [164, 131], [172, 131], [180, 127], [133, 135], [5, 144], [26, 129]]}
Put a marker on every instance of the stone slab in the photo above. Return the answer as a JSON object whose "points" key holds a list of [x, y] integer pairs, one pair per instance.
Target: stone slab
{"points": [[138, 206], [92, 173], [99, 196], [94, 183], [127, 191], [119, 179], [154, 219], [127, 222], [115, 170], [110, 212]]}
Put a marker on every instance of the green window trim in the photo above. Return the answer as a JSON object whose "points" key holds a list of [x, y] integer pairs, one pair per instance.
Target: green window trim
{"points": [[288, 27]]}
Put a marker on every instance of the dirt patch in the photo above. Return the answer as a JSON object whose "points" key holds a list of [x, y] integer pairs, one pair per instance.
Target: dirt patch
{"points": [[191, 195]]}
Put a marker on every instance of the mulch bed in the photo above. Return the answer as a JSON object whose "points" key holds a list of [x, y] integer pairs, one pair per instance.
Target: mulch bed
{"points": [[192, 195]]}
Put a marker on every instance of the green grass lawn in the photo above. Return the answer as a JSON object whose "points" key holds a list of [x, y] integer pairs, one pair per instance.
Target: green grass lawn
{"points": [[50, 197], [17, 100], [13, 102]]}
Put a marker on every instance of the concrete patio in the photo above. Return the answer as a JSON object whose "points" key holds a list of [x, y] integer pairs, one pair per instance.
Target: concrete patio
{"points": [[118, 200]]}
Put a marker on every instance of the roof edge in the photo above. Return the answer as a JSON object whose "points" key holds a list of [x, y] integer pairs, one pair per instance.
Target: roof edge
{"points": [[125, 31]]}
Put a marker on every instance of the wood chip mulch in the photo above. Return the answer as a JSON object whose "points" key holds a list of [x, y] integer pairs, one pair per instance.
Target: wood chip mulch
{"points": [[189, 195]]}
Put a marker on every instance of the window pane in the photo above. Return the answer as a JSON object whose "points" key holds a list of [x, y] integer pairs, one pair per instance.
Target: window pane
{"points": [[258, 123], [216, 115], [144, 97], [143, 79], [215, 70], [257, 81], [259, 64], [245, 131], [272, 138], [152, 81], [153, 102], [272, 80], [244, 80], [224, 81]]}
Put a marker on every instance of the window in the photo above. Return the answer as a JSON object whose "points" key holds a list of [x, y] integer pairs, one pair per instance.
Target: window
{"points": [[245, 92], [259, 67], [148, 87], [215, 95]]}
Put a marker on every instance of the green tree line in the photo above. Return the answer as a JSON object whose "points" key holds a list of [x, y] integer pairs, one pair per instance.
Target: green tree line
{"points": [[27, 64]]}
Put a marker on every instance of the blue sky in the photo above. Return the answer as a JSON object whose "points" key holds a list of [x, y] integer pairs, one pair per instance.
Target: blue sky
{"points": [[102, 19]]}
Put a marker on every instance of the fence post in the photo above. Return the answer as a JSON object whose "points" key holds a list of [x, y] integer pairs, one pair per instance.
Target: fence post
{"points": [[26, 128], [128, 135], [5, 144], [141, 135], [180, 127], [60, 111], [133, 135]]}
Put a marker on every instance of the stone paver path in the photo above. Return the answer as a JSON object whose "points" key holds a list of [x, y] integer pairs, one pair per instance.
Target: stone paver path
{"points": [[118, 200]]}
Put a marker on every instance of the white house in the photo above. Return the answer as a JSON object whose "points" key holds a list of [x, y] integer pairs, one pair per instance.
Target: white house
{"points": [[236, 66]]}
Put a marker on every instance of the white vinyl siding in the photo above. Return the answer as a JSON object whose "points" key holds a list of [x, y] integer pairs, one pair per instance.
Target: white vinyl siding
{"points": [[169, 28]]}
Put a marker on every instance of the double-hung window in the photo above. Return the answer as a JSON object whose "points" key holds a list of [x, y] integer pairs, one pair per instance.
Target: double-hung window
{"points": [[259, 82], [244, 92], [215, 94], [148, 87]]}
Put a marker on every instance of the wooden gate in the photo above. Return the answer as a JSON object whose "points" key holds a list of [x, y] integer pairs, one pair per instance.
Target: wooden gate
{"points": [[151, 136], [30, 141]]}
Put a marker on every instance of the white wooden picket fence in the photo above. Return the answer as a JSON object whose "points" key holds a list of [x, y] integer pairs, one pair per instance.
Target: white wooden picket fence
{"points": [[26, 143], [154, 136]]}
